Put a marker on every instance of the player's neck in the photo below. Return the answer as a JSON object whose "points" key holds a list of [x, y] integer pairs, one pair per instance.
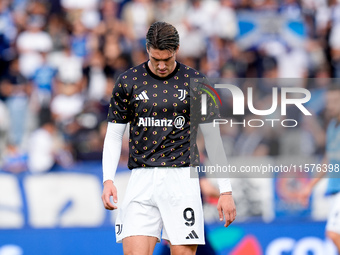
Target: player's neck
{"points": [[153, 73]]}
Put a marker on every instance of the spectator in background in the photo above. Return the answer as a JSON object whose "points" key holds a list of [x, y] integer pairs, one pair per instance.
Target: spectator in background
{"points": [[69, 97], [84, 132], [291, 9], [194, 34], [110, 23], [291, 61], [138, 16], [95, 77], [30, 42], [251, 141], [112, 49], [316, 58], [200, 16], [14, 159], [74, 5], [86, 11], [68, 100], [225, 55], [43, 82], [225, 14], [173, 12], [266, 6], [334, 42], [16, 91], [66, 105], [69, 67], [4, 127], [79, 39], [56, 27], [109, 11], [46, 147], [8, 32]]}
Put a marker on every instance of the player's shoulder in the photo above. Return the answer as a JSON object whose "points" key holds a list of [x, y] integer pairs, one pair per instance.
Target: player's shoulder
{"points": [[197, 79], [190, 72], [133, 73]]}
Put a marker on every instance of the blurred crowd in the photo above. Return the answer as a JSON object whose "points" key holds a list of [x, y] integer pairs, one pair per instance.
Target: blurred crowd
{"points": [[59, 60]]}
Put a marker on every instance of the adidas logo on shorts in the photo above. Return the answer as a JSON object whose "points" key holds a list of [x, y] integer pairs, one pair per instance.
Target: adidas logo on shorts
{"points": [[192, 235], [142, 96]]}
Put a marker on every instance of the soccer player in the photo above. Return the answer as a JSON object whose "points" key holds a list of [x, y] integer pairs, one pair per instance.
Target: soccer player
{"points": [[155, 98], [331, 166]]}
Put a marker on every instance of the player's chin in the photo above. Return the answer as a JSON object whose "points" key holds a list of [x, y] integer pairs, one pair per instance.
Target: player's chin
{"points": [[162, 74]]}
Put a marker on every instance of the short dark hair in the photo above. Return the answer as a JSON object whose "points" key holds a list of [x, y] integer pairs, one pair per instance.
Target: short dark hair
{"points": [[162, 36]]}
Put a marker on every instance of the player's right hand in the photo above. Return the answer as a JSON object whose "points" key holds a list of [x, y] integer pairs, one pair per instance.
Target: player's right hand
{"points": [[303, 195], [108, 191]]}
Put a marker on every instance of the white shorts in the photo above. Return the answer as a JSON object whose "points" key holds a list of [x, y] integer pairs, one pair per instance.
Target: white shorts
{"points": [[163, 200], [333, 221]]}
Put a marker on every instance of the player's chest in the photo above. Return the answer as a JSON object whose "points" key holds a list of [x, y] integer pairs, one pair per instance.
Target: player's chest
{"points": [[161, 97]]}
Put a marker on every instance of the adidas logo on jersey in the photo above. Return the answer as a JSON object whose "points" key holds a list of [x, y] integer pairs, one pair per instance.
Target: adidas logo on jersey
{"points": [[192, 235], [142, 96], [152, 122]]}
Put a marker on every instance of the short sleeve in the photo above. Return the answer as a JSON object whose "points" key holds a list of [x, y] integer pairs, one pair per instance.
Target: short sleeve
{"points": [[119, 109]]}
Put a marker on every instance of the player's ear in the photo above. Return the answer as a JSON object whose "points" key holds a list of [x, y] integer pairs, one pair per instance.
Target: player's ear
{"points": [[176, 51]]}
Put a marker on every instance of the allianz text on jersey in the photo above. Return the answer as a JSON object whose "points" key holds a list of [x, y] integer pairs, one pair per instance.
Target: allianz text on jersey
{"points": [[178, 122]]}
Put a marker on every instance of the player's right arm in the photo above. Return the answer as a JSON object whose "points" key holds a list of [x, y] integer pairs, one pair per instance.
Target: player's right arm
{"points": [[306, 192], [111, 154]]}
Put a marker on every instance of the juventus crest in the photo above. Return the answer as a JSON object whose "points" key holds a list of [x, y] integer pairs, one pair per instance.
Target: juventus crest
{"points": [[182, 95]]}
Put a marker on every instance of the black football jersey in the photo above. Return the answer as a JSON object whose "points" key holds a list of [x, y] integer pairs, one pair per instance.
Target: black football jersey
{"points": [[163, 113]]}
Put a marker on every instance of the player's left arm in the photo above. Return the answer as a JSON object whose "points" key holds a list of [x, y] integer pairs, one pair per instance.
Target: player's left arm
{"points": [[214, 147]]}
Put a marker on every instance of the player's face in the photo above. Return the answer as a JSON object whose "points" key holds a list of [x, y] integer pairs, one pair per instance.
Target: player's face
{"points": [[333, 105], [162, 62]]}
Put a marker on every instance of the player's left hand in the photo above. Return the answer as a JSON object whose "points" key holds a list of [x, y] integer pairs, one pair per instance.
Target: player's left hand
{"points": [[226, 209]]}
